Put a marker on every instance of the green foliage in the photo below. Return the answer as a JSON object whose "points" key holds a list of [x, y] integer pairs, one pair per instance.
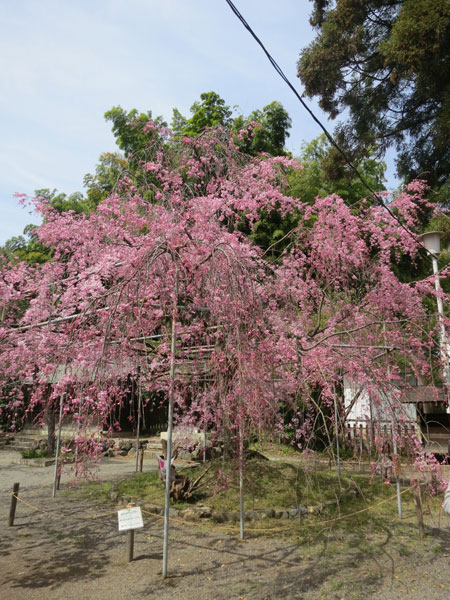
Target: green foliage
{"points": [[178, 123], [26, 248], [33, 453], [319, 178], [128, 129], [62, 202], [270, 137], [110, 168], [314, 179], [210, 112], [271, 232], [385, 63]]}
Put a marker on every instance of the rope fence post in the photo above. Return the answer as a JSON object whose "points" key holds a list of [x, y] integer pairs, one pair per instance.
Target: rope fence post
{"points": [[12, 508]]}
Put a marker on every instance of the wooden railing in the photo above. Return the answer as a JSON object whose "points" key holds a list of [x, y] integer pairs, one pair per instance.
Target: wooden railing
{"points": [[370, 437]]}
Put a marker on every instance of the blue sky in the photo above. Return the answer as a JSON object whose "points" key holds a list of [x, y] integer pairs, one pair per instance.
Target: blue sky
{"points": [[64, 64]]}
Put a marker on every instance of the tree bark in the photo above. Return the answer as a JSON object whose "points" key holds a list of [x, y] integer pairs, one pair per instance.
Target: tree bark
{"points": [[51, 426]]}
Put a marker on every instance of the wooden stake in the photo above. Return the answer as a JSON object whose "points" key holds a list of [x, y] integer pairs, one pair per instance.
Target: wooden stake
{"points": [[130, 545], [141, 459], [12, 508]]}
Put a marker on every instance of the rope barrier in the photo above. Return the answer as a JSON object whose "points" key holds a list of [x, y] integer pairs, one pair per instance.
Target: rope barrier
{"points": [[219, 527], [58, 514], [340, 518], [19, 499]]}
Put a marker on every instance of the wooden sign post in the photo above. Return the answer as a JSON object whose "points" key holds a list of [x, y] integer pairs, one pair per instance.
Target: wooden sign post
{"points": [[130, 518]]}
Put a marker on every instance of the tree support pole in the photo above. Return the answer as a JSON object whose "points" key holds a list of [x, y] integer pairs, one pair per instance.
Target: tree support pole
{"points": [[138, 425], [169, 444], [338, 454], [58, 445], [419, 511], [396, 469], [241, 483]]}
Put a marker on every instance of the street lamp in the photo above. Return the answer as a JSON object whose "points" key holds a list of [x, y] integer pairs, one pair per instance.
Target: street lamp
{"points": [[432, 242]]}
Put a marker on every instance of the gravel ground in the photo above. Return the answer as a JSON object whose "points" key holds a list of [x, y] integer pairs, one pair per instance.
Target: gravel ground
{"points": [[66, 550]]}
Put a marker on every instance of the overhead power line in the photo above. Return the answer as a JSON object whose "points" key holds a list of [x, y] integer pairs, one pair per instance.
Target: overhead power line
{"points": [[330, 138]]}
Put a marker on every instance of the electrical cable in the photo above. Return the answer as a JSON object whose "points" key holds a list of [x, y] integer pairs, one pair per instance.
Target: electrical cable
{"points": [[330, 138]]}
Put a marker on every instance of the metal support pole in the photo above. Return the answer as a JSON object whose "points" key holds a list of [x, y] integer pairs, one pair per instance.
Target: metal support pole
{"points": [[440, 307], [396, 465], [169, 445], [419, 511], [58, 445], [338, 454], [241, 483], [138, 425]]}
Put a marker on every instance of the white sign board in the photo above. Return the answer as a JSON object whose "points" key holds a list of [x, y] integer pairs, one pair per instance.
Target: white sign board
{"points": [[130, 518]]}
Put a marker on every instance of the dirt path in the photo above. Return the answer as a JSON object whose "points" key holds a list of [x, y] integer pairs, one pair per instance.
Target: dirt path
{"points": [[62, 551]]}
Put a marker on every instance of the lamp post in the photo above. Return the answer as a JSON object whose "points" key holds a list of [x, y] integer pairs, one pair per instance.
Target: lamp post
{"points": [[432, 242]]}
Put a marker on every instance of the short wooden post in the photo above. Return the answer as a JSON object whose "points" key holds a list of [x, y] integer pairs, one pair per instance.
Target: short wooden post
{"points": [[141, 459], [130, 539], [12, 508], [130, 545], [419, 511]]}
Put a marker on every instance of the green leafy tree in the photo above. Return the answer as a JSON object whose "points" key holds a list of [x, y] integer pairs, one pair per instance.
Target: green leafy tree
{"points": [[178, 123], [110, 168], [62, 202], [26, 247], [270, 137], [132, 136], [211, 111], [385, 64], [319, 176]]}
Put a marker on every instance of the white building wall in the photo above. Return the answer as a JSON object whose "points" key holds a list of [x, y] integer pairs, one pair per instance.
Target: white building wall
{"points": [[364, 411]]}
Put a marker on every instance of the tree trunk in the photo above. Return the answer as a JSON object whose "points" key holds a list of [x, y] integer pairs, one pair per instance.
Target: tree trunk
{"points": [[51, 426]]}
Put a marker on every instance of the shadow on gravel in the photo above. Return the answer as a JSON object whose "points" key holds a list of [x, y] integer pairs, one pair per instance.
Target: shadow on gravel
{"points": [[155, 556], [53, 551], [441, 537], [65, 563]]}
